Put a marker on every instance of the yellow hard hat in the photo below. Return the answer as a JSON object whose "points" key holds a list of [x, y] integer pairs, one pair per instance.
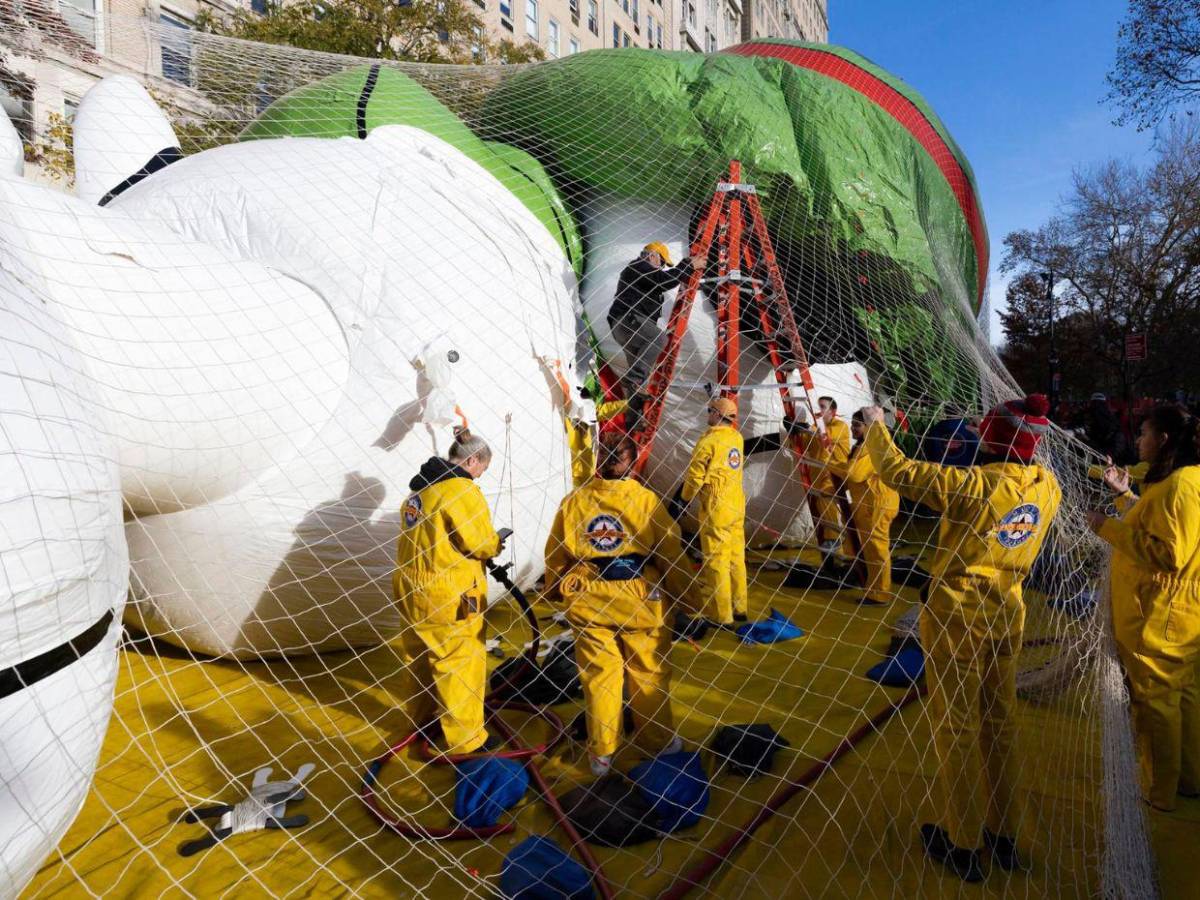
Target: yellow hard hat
{"points": [[724, 407], [661, 249]]}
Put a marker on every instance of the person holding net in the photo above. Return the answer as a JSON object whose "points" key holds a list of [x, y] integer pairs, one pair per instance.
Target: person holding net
{"points": [[714, 475], [610, 541], [873, 508], [1155, 590], [828, 457], [440, 587], [995, 515]]}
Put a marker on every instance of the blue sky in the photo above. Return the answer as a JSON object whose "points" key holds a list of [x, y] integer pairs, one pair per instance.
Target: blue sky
{"points": [[1019, 85]]}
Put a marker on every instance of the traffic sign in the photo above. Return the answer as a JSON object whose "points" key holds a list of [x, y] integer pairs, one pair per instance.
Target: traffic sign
{"points": [[1135, 347]]}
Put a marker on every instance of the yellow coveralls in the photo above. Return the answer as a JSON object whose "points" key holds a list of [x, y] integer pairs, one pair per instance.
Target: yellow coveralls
{"points": [[994, 520], [873, 507], [602, 531], [581, 440], [440, 587], [832, 458], [715, 476], [1156, 620]]}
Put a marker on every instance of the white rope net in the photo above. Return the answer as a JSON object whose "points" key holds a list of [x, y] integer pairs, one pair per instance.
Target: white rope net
{"points": [[223, 366]]}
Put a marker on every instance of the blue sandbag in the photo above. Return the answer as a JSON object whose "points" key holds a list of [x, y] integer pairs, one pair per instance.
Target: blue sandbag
{"points": [[777, 627], [538, 869], [676, 787], [903, 669], [487, 787]]}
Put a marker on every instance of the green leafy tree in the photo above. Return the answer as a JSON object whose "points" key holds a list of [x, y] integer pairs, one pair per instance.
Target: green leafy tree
{"points": [[434, 31], [1157, 70]]}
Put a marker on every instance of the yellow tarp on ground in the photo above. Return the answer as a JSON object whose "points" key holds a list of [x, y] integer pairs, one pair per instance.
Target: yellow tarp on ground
{"points": [[188, 732]]}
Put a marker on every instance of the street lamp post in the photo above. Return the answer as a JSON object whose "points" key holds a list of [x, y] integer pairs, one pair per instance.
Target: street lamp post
{"points": [[1052, 359]]}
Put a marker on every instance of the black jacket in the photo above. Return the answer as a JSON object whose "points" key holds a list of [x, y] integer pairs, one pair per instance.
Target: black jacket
{"points": [[641, 287], [436, 469]]}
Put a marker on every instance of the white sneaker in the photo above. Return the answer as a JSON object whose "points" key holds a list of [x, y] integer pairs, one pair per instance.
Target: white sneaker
{"points": [[828, 548], [675, 746], [601, 765]]}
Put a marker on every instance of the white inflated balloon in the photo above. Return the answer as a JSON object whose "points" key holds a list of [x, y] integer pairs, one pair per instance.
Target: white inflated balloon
{"points": [[117, 129], [617, 229], [64, 567], [12, 150], [209, 370], [419, 252]]}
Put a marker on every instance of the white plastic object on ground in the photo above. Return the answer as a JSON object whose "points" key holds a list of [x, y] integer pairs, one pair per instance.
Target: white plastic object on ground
{"points": [[299, 558], [117, 129], [64, 567], [775, 502]]}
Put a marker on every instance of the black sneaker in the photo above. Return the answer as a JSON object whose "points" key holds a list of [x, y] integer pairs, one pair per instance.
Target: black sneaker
{"points": [[963, 863], [740, 617], [1004, 852], [867, 601]]}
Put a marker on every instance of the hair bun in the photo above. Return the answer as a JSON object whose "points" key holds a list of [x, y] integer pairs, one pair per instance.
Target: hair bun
{"points": [[462, 433], [1037, 405]]}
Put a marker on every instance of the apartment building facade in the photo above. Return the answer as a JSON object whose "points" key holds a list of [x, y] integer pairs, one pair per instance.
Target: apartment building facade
{"points": [[62, 74]]}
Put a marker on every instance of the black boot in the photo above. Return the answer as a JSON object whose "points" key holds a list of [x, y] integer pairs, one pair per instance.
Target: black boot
{"points": [[1004, 852], [963, 863]]}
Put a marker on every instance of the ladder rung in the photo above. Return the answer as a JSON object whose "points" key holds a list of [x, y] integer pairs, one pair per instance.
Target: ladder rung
{"points": [[711, 386], [725, 187], [734, 275]]}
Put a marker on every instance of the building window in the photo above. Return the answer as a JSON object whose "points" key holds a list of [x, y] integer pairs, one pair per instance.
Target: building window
{"points": [[176, 50], [634, 13], [258, 6], [70, 107], [552, 38], [710, 41], [81, 16], [593, 18], [691, 15], [658, 41], [625, 5], [478, 55], [573, 46], [625, 39], [531, 19], [616, 35], [506, 9], [574, 7]]}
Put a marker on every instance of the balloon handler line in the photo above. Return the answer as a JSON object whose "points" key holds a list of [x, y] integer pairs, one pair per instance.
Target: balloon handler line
{"points": [[497, 700], [714, 858]]}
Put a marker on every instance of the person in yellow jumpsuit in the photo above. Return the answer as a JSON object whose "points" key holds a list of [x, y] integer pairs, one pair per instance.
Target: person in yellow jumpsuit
{"points": [[1155, 591], [440, 587], [873, 508], [829, 457], [994, 517], [611, 542], [714, 476]]}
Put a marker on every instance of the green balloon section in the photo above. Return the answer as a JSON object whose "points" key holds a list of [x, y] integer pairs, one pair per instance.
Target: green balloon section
{"points": [[330, 108], [878, 244]]}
